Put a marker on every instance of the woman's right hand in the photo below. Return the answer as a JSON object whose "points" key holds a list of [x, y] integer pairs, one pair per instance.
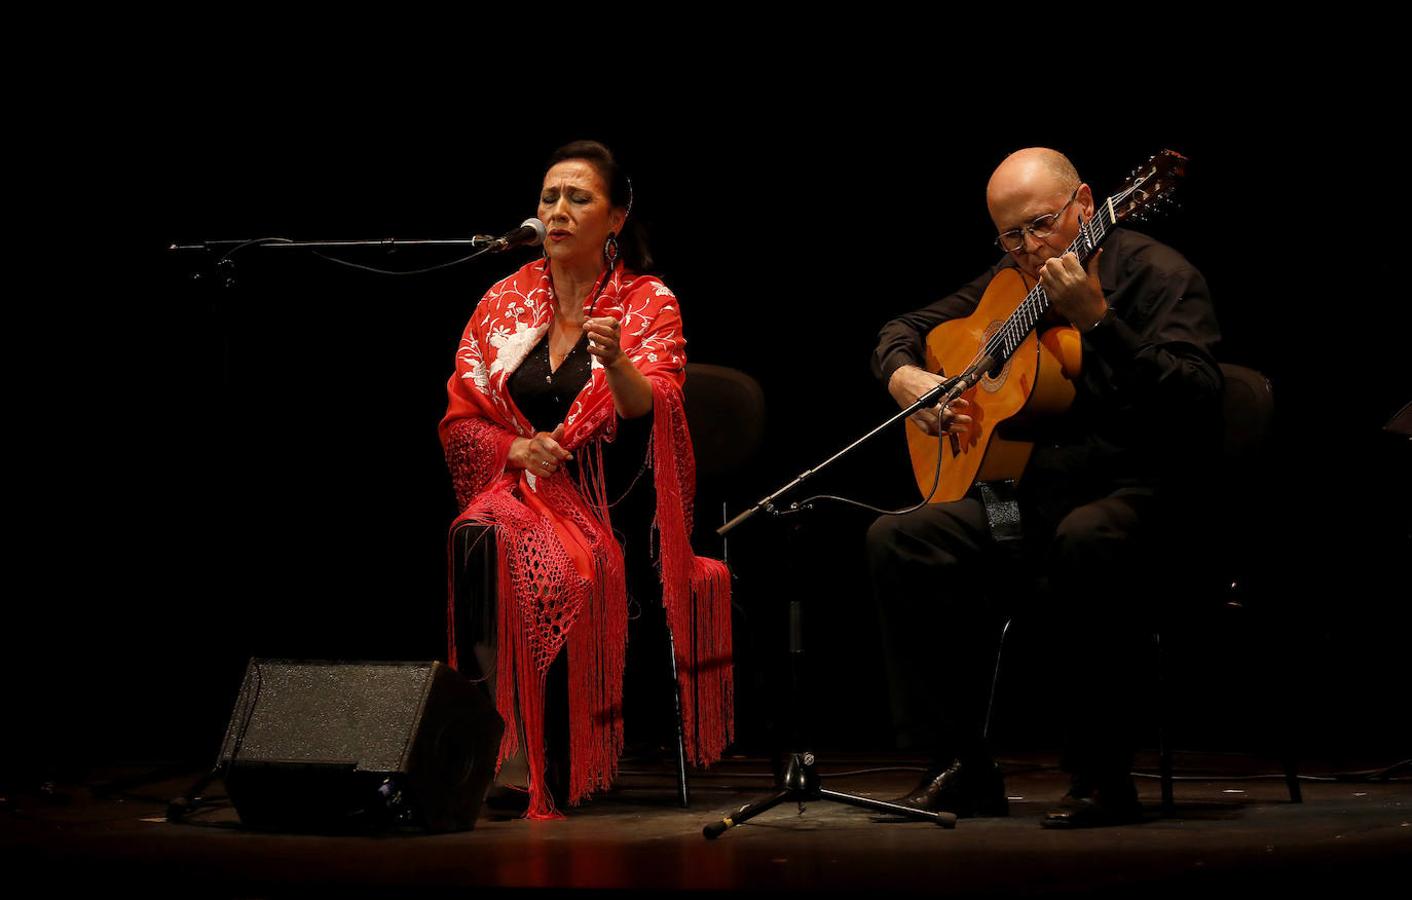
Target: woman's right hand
{"points": [[540, 455]]}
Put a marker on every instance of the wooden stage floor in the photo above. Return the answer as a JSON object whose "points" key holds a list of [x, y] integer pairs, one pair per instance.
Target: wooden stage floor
{"points": [[1227, 835]]}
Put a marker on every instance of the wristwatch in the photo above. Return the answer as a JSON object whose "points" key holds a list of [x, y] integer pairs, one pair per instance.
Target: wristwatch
{"points": [[1108, 316]]}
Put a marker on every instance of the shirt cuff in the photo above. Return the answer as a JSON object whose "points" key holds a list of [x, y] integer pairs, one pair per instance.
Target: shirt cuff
{"points": [[894, 361]]}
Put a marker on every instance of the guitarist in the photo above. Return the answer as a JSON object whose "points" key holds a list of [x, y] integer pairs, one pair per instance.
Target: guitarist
{"points": [[1101, 484]]}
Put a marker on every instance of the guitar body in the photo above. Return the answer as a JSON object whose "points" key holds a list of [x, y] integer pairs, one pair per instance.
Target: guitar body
{"points": [[1035, 382]]}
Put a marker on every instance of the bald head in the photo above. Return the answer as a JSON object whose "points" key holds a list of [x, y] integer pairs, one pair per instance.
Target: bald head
{"points": [[1031, 184], [1030, 173]]}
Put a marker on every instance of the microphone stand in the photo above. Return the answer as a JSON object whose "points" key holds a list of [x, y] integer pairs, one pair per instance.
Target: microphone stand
{"points": [[942, 394], [481, 243], [479, 240], [223, 270], [801, 782]]}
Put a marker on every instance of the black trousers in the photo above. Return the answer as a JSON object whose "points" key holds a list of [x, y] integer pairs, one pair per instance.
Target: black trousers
{"points": [[943, 586]]}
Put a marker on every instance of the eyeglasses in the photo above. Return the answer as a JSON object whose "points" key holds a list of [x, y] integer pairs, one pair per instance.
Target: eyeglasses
{"points": [[1013, 240]]}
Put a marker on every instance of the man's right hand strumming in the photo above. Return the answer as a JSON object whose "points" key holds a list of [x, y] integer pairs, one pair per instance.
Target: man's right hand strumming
{"points": [[910, 382]]}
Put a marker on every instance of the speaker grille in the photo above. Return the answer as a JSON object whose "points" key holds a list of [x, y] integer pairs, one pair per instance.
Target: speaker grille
{"points": [[361, 716], [328, 745]]}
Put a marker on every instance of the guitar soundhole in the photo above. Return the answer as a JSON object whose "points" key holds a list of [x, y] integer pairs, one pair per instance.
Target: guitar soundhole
{"points": [[994, 379]]}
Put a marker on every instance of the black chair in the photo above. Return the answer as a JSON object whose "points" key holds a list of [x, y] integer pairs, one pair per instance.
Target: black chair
{"points": [[1248, 411], [725, 411]]}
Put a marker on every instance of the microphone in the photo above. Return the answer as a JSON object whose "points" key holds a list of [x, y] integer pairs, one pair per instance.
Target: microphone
{"points": [[530, 234]]}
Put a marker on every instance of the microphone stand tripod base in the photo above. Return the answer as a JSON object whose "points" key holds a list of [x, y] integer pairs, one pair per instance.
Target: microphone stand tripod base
{"points": [[801, 784]]}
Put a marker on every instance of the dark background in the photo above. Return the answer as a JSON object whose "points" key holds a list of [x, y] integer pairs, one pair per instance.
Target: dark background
{"points": [[209, 474]]}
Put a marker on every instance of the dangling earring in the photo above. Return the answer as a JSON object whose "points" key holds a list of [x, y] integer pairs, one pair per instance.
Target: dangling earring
{"points": [[610, 250]]}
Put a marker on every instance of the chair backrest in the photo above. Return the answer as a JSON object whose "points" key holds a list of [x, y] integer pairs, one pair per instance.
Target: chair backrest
{"points": [[1248, 406], [1235, 541], [725, 410]]}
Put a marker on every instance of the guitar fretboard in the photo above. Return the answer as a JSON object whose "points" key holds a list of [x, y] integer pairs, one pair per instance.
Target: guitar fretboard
{"points": [[1002, 345]]}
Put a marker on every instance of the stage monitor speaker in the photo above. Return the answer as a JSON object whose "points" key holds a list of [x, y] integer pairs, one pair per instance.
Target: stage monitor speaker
{"points": [[328, 746]]}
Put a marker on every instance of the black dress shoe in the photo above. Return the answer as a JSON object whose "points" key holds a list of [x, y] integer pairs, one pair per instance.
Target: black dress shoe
{"points": [[971, 789], [1096, 807]]}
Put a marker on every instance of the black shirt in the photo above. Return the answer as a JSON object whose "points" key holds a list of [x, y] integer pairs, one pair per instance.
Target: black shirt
{"points": [[544, 394]]}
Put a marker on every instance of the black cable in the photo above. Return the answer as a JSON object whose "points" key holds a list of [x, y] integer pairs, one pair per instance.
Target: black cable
{"points": [[936, 482], [376, 271], [352, 265]]}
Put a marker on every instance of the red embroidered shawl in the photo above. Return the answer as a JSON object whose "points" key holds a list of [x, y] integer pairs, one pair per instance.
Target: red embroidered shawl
{"points": [[561, 577]]}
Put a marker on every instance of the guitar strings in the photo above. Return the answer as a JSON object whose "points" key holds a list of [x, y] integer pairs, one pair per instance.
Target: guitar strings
{"points": [[1009, 336]]}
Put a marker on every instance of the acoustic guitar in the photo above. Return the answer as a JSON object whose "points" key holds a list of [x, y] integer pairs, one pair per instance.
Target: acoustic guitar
{"points": [[1031, 374]]}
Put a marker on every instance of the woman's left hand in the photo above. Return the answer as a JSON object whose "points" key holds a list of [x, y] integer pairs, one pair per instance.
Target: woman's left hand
{"points": [[603, 333]]}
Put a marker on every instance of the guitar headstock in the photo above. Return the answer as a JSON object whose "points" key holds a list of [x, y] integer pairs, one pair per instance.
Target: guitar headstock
{"points": [[1149, 189]]}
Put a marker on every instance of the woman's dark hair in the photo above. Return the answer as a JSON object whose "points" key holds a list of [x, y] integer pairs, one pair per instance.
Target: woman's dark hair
{"points": [[632, 242]]}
